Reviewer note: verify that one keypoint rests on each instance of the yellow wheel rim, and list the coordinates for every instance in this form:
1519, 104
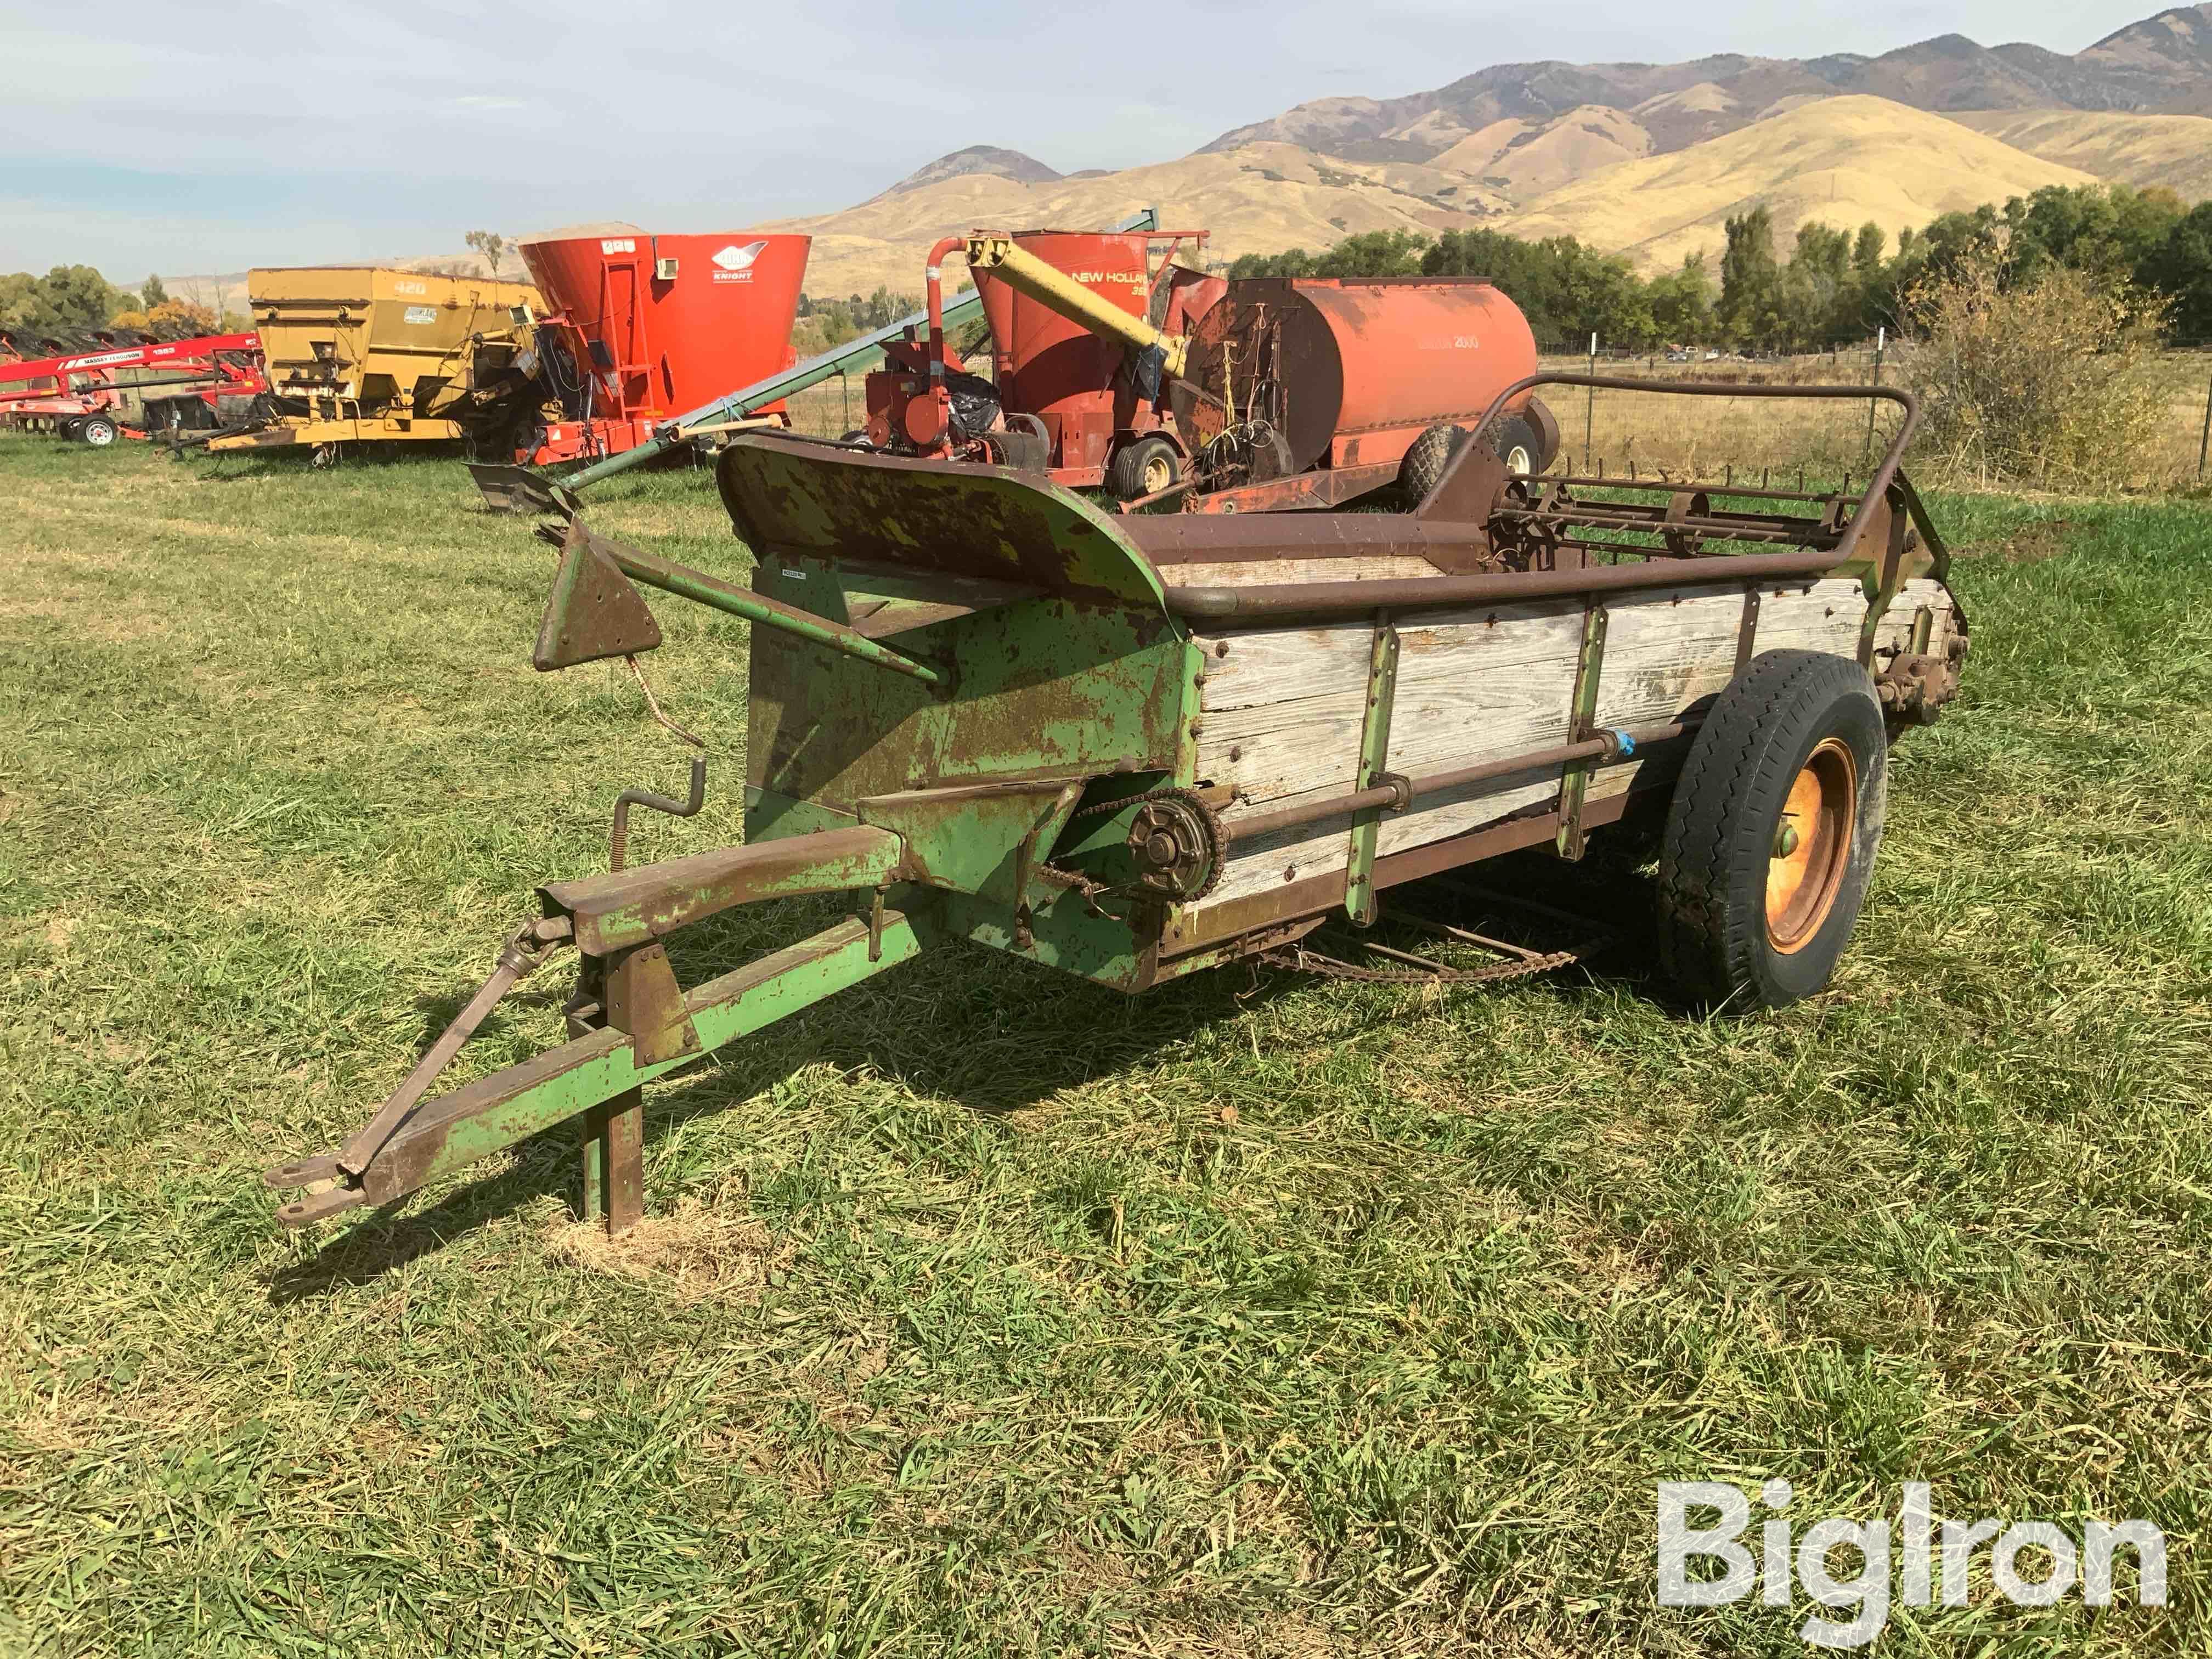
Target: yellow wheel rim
1812, 847
1159, 473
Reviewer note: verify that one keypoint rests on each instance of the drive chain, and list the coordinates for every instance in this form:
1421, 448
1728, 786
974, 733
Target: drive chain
1298, 957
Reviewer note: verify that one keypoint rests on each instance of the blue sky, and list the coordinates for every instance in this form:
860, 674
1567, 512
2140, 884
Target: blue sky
197, 138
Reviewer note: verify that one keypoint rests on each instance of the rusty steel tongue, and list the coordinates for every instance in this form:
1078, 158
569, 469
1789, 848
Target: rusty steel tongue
522, 954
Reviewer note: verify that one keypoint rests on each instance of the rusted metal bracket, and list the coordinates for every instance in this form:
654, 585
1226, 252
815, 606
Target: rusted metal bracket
1887, 573
1917, 682
1746, 637
1374, 757
1574, 781
642, 1001
593, 612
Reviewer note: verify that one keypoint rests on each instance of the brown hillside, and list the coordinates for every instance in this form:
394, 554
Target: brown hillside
2163, 62
1526, 161
1257, 200
2142, 150
1843, 160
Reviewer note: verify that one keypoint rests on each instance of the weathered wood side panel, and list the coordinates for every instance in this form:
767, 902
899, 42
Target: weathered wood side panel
1281, 707
1253, 573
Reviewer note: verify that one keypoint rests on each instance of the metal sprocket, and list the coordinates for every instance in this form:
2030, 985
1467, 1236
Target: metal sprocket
1200, 844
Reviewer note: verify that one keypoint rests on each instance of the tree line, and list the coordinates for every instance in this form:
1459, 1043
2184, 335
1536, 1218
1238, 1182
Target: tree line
1833, 287
70, 301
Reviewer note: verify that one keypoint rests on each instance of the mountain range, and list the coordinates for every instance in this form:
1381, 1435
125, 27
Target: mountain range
2162, 64
1640, 159
1644, 160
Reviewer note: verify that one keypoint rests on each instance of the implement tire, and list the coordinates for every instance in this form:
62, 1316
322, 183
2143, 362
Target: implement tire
1771, 835
1515, 440
1427, 458
1144, 466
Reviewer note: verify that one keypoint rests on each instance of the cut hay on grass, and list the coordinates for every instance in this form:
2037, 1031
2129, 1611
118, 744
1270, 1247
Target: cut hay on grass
980, 1310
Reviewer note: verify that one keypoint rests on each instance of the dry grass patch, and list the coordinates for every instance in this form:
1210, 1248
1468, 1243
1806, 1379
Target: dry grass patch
701, 1251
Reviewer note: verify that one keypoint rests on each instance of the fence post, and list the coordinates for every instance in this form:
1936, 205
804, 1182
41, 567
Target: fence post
2204, 439
1589, 406
1881, 340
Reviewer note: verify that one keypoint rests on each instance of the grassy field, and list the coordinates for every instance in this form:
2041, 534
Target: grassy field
981, 1311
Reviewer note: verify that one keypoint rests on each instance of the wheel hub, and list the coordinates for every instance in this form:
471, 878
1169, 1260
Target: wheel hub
1812, 845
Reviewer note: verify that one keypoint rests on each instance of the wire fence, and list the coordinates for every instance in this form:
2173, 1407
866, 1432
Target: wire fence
1618, 431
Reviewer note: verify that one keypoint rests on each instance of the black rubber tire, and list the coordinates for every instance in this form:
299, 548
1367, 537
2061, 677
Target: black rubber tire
1511, 433
97, 430
1124, 473
1715, 939
1427, 460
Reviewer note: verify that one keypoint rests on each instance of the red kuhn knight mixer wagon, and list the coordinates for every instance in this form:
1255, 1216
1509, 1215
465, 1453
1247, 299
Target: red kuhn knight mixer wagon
644, 326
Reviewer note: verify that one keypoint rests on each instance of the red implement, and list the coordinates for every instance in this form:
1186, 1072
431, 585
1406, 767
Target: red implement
647, 326
1057, 378
82, 393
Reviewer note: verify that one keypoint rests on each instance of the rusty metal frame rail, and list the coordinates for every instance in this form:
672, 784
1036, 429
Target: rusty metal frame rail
1337, 599
1603, 749
1508, 587
1882, 474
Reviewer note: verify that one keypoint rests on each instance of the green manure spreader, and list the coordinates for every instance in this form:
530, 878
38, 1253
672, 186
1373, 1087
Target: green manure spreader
1134, 747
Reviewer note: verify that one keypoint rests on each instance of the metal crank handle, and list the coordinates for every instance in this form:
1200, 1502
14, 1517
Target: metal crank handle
618, 837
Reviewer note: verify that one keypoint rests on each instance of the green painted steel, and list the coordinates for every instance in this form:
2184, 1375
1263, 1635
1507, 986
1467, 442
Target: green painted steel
1068, 664
1574, 781
494, 1113
684, 582
1066, 936
1374, 759
971, 523
988, 840
771, 816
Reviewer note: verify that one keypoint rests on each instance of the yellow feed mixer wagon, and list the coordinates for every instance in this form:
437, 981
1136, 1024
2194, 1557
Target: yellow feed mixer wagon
357, 354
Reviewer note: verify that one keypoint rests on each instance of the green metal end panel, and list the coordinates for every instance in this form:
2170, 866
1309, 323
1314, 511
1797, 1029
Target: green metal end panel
1084, 674
986, 521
